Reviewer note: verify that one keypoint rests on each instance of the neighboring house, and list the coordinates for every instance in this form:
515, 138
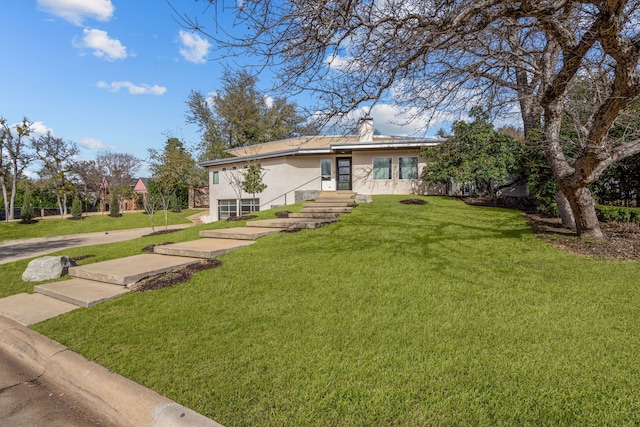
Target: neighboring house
138, 195
298, 169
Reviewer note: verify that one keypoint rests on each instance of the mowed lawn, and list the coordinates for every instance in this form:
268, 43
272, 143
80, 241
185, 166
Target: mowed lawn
436, 315
56, 226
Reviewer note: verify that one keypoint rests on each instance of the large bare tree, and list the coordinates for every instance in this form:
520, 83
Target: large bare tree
118, 168
57, 157
434, 55
14, 158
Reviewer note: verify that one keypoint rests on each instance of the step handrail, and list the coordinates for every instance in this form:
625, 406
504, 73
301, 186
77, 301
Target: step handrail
289, 191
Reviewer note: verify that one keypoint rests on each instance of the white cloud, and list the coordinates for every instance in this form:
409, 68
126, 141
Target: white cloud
103, 47
38, 129
133, 89
75, 11
394, 120
337, 62
94, 144
194, 48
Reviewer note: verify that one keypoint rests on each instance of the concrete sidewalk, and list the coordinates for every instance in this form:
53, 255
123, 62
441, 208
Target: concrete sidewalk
14, 250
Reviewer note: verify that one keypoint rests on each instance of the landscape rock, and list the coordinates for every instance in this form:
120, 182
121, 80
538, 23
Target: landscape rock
45, 268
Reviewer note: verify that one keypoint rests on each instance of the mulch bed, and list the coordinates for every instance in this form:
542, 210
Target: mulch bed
80, 258
241, 218
621, 242
413, 202
290, 230
175, 277
159, 233
149, 249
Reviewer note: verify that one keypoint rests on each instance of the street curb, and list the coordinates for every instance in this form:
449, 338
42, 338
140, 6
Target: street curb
118, 399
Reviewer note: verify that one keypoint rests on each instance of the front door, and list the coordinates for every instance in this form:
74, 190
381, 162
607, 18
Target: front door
327, 182
344, 173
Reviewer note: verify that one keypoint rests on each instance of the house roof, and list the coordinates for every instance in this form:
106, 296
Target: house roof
319, 145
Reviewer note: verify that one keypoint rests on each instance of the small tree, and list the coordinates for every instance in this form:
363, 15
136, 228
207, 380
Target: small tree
156, 191
151, 204
253, 183
76, 208
174, 203
114, 206
27, 208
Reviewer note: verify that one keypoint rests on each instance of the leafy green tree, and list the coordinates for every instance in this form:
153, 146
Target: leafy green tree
174, 170
174, 203
27, 215
76, 208
240, 115
253, 180
114, 205
475, 154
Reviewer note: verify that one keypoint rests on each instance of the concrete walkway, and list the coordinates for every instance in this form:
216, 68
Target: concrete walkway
15, 250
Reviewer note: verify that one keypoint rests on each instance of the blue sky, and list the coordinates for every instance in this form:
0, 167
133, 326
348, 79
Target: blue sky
103, 74
113, 74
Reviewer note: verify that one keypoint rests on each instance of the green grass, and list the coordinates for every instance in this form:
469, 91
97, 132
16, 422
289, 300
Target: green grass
442, 314
62, 226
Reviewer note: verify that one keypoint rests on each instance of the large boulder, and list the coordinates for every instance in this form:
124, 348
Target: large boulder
45, 268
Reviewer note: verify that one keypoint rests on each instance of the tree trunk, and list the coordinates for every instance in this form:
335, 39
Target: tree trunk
6, 201
584, 211
59, 201
564, 209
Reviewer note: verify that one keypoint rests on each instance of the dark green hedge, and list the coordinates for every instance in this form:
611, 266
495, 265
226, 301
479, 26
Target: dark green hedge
618, 213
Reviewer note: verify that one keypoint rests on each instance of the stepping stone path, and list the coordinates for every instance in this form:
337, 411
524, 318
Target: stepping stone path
101, 281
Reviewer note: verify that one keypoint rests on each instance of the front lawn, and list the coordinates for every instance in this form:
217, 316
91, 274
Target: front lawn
439, 314
61, 226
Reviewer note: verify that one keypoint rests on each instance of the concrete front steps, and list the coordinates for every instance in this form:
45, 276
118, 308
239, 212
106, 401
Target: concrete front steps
129, 270
291, 223
239, 233
328, 205
202, 248
90, 285
81, 292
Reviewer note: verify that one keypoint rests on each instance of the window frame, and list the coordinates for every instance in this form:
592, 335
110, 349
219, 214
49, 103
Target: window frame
414, 172
249, 203
378, 168
231, 205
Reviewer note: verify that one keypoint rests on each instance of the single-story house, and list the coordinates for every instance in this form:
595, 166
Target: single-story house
299, 168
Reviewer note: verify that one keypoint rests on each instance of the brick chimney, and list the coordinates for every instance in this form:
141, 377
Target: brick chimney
365, 129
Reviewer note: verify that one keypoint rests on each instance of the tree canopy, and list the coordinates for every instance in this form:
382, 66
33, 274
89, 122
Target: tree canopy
475, 154
240, 115
174, 169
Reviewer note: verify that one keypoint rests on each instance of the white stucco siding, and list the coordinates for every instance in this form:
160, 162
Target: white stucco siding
287, 175
283, 176
363, 179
